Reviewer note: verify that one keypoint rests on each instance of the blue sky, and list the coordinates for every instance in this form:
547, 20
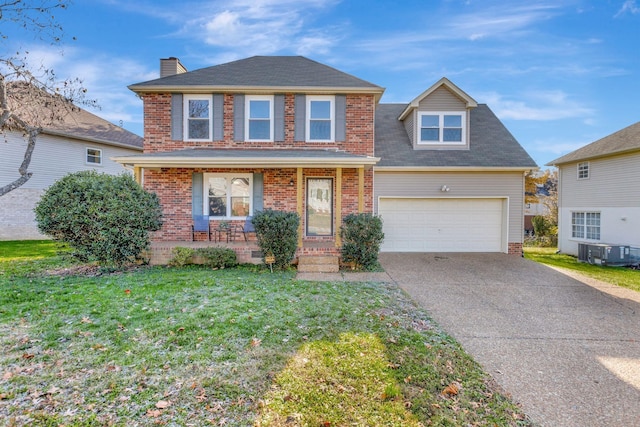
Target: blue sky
559, 73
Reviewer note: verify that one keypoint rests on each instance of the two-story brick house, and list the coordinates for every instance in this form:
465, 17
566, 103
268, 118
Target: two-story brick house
289, 133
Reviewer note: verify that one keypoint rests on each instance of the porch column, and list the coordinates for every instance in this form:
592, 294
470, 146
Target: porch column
300, 204
361, 190
137, 174
338, 206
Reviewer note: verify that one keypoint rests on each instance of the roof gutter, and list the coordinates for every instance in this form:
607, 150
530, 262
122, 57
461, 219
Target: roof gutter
91, 139
245, 162
454, 168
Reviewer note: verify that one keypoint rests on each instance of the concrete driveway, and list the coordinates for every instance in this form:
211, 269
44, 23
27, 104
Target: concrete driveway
566, 350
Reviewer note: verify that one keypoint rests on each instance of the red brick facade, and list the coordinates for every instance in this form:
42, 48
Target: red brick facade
174, 185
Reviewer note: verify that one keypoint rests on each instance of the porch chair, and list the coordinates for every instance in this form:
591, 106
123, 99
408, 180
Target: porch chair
200, 224
248, 227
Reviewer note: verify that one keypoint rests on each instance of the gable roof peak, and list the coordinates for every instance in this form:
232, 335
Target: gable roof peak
443, 82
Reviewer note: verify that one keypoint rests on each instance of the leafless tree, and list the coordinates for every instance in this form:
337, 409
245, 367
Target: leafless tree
32, 98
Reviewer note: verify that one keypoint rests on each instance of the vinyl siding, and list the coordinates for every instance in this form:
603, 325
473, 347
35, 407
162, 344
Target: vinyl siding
54, 157
442, 99
508, 185
612, 190
612, 182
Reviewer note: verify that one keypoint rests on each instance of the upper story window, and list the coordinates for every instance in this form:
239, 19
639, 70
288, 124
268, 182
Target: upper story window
259, 118
320, 118
441, 127
198, 117
583, 170
94, 156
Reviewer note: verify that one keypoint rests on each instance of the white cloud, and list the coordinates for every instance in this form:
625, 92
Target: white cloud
538, 106
628, 6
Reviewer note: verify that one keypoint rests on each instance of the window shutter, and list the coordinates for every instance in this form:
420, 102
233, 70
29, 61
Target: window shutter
258, 192
218, 117
238, 117
278, 107
176, 117
197, 192
300, 117
341, 118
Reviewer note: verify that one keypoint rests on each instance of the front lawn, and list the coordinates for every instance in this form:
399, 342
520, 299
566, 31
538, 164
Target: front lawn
620, 276
240, 347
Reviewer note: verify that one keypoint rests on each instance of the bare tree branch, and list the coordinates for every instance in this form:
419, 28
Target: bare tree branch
33, 98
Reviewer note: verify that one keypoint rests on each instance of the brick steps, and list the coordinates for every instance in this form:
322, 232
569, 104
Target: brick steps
318, 264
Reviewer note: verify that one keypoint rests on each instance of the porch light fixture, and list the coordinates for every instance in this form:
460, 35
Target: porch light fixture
445, 188
291, 183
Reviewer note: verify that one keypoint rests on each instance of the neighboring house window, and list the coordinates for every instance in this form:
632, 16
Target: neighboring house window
94, 156
259, 114
441, 128
585, 225
228, 195
320, 118
583, 170
198, 117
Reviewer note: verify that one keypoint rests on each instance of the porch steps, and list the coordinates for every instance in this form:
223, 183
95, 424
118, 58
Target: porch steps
318, 264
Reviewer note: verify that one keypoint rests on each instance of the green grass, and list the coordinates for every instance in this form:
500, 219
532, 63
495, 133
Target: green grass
241, 347
620, 276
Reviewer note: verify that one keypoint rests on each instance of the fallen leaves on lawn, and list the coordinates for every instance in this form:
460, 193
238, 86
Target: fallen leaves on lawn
163, 404
451, 390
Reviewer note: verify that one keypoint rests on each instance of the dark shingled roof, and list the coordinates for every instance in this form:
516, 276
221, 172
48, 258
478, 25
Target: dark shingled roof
263, 71
58, 117
490, 145
622, 141
85, 125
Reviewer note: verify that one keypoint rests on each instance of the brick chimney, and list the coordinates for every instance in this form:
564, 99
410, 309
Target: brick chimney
171, 66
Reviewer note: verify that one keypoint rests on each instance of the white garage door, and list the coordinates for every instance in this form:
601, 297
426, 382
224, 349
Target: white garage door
442, 225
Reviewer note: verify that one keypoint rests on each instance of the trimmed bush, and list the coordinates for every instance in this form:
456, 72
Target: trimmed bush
277, 234
218, 257
104, 218
181, 256
361, 239
214, 257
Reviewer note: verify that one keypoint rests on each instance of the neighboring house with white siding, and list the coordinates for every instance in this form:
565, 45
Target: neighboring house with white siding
81, 141
598, 192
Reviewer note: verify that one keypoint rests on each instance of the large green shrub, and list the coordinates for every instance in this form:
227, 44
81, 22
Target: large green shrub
361, 239
277, 234
104, 218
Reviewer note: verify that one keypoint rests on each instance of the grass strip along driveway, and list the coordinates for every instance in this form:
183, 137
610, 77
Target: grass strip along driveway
240, 347
620, 276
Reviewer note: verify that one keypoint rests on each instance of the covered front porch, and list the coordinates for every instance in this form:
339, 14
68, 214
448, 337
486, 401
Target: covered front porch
322, 186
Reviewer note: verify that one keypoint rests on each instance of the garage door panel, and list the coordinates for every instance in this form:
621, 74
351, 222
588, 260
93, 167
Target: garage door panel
442, 225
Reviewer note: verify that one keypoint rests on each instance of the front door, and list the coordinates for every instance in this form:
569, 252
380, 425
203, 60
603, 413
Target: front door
319, 206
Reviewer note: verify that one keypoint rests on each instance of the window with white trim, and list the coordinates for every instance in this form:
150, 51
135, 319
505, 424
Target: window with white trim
585, 225
93, 156
442, 127
228, 195
583, 170
259, 118
320, 118
198, 113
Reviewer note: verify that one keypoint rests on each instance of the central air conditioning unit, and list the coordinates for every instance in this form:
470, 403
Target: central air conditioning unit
604, 254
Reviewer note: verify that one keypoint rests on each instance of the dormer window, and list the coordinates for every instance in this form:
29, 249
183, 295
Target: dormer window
441, 128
